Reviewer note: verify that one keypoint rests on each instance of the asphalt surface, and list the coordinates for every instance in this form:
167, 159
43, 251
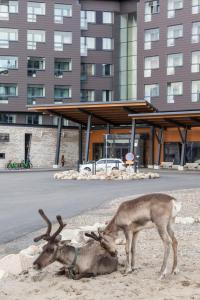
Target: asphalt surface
22, 194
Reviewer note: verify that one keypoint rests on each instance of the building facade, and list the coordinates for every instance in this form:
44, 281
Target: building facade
95, 50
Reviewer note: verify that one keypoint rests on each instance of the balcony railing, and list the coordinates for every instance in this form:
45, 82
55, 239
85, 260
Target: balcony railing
84, 24
84, 50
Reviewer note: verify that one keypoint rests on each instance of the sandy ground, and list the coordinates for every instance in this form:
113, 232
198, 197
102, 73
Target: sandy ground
142, 284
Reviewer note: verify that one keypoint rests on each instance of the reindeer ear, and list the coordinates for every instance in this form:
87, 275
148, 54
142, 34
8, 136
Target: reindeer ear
100, 230
58, 238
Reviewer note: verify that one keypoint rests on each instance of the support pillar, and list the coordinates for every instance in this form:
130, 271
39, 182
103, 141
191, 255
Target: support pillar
133, 130
159, 137
80, 144
87, 143
59, 130
151, 147
183, 136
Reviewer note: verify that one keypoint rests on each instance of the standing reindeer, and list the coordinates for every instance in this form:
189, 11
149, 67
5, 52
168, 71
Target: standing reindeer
96, 257
155, 210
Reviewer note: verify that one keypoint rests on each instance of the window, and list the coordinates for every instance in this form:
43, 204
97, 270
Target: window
6, 91
2, 156
7, 35
107, 44
62, 92
151, 8
195, 91
174, 61
174, 32
151, 90
61, 11
62, 38
35, 64
4, 137
55, 121
8, 63
108, 17
87, 43
62, 65
33, 119
9, 7
35, 91
107, 96
174, 5
195, 67
34, 37
150, 35
195, 6
195, 32
150, 63
174, 89
7, 118
89, 16
35, 9
128, 57
88, 69
107, 70
87, 95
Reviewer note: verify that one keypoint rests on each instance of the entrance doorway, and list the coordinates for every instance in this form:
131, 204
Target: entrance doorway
28, 137
118, 145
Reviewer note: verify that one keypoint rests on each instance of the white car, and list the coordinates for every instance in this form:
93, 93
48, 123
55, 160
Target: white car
112, 164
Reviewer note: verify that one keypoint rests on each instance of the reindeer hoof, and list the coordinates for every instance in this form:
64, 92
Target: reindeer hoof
128, 271
175, 271
163, 275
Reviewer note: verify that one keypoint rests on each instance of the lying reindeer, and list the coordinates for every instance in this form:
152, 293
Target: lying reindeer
96, 257
155, 210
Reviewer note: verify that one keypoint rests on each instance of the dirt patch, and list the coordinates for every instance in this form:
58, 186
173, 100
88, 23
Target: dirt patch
141, 284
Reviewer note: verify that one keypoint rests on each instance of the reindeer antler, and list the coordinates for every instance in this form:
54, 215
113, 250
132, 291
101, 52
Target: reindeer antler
93, 236
62, 225
45, 236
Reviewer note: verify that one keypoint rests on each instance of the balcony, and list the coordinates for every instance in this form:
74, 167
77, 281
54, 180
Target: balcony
84, 24
84, 50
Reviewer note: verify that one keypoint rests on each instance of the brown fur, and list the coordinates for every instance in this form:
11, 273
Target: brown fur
153, 210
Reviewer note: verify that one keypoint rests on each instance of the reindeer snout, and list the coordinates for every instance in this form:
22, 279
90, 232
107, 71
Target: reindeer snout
36, 265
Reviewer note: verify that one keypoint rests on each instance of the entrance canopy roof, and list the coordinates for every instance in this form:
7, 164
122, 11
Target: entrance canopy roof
169, 119
114, 113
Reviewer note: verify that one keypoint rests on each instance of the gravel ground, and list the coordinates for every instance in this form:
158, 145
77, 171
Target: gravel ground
142, 284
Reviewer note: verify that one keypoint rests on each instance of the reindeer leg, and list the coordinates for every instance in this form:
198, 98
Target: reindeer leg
135, 234
129, 238
174, 247
162, 230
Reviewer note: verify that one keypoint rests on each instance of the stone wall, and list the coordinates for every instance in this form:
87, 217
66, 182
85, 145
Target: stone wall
43, 145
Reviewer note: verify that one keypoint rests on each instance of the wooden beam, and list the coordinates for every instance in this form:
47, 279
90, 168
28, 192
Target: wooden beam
88, 113
65, 117
197, 120
129, 110
178, 124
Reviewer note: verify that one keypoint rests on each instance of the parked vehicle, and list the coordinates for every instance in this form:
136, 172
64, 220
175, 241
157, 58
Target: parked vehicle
102, 164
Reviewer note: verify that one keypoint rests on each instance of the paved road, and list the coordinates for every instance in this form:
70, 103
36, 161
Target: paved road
22, 194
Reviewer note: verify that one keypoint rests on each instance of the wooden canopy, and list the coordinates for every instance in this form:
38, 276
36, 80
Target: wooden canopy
113, 113
169, 119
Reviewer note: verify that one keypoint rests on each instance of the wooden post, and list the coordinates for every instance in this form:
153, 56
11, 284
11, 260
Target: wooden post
80, 144
159, 137
87, 144
59, 130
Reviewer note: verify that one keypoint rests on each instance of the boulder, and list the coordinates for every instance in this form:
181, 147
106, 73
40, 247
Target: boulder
11, 264
3, 274
28, 255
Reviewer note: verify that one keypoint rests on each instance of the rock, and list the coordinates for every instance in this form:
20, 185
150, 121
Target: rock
11, 264
3, 274
28, 255
186, 220
128, 174
72, 235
